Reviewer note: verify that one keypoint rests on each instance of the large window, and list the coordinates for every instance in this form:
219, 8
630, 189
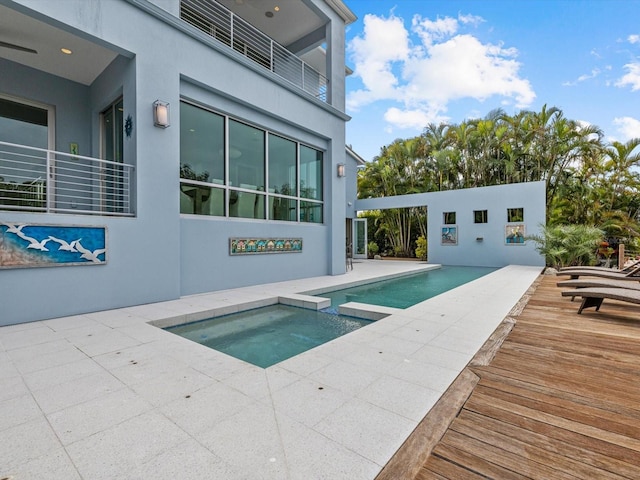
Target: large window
201, 161
267, 176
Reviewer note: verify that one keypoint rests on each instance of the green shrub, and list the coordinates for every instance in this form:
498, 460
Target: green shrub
421, 248
372, 248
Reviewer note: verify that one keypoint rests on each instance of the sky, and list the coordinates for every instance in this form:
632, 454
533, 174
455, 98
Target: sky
417, 62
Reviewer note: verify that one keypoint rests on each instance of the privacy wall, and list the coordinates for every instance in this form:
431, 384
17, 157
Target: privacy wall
478, 226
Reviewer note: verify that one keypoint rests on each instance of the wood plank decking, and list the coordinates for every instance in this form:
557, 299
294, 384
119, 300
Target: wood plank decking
559, 400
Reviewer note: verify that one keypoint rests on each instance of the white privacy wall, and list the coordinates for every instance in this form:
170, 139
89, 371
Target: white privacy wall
478, 244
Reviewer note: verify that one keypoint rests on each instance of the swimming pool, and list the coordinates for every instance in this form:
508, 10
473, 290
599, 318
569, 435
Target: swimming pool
268, 335
406, 291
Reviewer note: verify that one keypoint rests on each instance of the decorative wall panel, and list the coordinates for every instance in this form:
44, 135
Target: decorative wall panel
244, 246
35, 245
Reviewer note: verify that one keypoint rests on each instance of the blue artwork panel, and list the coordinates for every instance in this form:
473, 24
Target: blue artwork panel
34, 245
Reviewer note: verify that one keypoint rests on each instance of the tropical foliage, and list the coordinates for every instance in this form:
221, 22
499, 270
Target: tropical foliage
565, 245
588, 181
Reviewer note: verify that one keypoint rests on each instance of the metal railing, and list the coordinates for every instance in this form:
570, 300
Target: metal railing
38, 180
223, 25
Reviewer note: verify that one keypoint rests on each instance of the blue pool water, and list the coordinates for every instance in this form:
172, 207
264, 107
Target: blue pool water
268, 335
406, 291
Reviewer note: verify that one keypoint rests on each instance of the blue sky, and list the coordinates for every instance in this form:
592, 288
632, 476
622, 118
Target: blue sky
422, 61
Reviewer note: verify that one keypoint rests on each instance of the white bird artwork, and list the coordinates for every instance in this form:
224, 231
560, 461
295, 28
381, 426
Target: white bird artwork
35, 244
15, 227
88, 254
64, 245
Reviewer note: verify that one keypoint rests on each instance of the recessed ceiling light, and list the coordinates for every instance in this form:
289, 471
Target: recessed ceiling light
66, 51
276, 8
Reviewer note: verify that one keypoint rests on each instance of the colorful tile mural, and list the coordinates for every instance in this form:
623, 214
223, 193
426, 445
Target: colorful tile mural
243, 246
24, 245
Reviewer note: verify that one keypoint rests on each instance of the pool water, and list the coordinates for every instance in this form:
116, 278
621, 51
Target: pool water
406, 291
268, 335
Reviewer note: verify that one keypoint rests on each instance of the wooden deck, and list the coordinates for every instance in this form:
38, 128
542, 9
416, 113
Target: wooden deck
559, 400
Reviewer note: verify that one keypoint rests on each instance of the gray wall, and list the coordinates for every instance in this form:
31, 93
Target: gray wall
492, 250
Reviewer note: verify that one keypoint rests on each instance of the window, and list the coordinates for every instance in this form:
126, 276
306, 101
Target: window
246, 170
112, 149
480, 216
283, 179
449, 218
267, 176
515, 214
311, 184
201, 161
23, 175
112, 132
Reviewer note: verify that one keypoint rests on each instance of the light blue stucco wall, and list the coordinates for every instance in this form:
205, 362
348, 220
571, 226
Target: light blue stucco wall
159, 254
492, 251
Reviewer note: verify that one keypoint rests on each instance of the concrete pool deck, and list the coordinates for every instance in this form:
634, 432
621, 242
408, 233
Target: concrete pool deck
107, 395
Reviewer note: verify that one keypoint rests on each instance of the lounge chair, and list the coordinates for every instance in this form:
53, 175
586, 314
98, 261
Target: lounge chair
633, 274
626, 268
593, 297
599, 283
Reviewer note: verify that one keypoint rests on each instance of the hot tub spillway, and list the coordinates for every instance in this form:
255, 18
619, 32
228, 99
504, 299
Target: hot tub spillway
330, 310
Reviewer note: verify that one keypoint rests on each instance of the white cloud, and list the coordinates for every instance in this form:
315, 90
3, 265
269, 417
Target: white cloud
633, 38
632, 77
384, 42
628, 127
582, 78
422, 71
413, 119
463, 67
429, 31
471, 19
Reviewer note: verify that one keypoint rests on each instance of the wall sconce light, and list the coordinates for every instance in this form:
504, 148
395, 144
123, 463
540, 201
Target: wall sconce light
161, 114
341, 170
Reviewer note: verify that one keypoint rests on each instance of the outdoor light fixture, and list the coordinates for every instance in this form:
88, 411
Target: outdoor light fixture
341, 171
161, 114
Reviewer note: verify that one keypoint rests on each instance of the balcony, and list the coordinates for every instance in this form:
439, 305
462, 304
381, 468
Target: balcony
226, 27
39, 180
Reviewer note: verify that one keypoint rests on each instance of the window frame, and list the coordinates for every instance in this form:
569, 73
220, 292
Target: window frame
449, 218
268, 198
515, 215
483, 214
